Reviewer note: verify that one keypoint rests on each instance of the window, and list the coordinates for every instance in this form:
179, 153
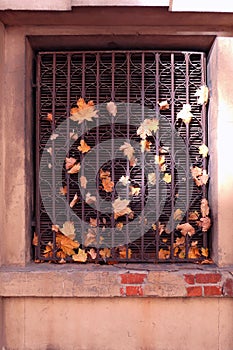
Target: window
121, 157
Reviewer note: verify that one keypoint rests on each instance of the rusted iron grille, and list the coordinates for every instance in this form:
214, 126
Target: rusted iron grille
143, 78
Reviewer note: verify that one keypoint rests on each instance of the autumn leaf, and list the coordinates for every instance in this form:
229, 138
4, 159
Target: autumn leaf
70, 162
55, 228
205, 223
186, 229
92, 253
62, 261
120, 207
104, 174
163, 105
204, 178
63, 190
164, 254
83, 181
193, 216
128, 150
84, 148
119, 226
194, 253
107, 184
111, 108
105, 253
123, 253
182, 253
133, 162
178, 214
185, 114
74, 200
161, 228
167, 178
90, 238
179, 241
202, 93
73, 136
199, 176
60, 254
204, 207
35, 240
84, 111
54, 136
203, 150
147, 127
124, 180
135, 191
90, 199
50, 150
205, 252
93, 222
68, 229
66, 244
80, 257
75, 169
152, 178
49, 117
48, 252
160, 160
145, 146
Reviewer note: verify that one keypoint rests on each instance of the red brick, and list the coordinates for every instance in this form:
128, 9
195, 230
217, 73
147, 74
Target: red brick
212, 290
122, 291
194, 291
133, 278
228, 287
189, 279
134, 290
208, 278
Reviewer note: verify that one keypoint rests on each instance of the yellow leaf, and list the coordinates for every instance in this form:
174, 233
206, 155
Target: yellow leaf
147, 127
80, 257
186, 229
120, 207
145, 146
68, 229
204, 208
152, 178
203, 150
105, 253
74, 200
193, 253
111, 108
160, 160
205, 252
164, 254
128, 150
135, 191
202, 93
163, 105
123, 253
84, 148
63, 190
66, 244
83, 181
84, 111
167, 178
178, 214
75, 169
185, 114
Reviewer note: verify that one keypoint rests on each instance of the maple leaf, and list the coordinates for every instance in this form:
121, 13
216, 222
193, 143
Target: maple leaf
163, 105
123, 253
83, 181
92, 253
167, 178
193, 215
186, 229
193, 253
124, 180
66, 244
204, 208
49, 117
147, 127
68, 229
75, 169
202, 93
119, 226
178, 214
74, 200
60, 254
128, 150
111, 108
35, 240
63, 190
70, 162
84, 148
90, 199
81, 256
205, 223
164, 254
185, 114
152, 178
120, 207
84, 111
145, 146
135, 191
205, 252
203, 150
105, 253
199, 176
107, 184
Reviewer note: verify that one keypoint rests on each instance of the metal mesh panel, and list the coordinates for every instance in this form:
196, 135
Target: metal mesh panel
138, 80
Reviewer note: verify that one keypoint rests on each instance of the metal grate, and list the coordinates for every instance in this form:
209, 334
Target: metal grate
160, 192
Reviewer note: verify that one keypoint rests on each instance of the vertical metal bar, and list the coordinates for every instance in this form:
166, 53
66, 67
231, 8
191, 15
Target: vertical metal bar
157, 208
172, 150
112, 151
97, 143
142, 156
82, 128
187, 150
68, 133
38, 198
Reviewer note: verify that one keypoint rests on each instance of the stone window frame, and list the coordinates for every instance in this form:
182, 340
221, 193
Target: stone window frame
124, 280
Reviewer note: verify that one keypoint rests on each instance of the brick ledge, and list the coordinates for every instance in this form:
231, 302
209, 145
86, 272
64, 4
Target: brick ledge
133, 280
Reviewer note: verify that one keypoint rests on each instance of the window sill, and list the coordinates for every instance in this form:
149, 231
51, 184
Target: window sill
129, 280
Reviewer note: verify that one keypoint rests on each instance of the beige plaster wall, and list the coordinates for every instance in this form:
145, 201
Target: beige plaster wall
113, 324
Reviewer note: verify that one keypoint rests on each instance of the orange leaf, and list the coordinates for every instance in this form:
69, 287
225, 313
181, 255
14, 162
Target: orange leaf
107, 184
66, 244
105, 253
74, 200
186, 229
164, 254
80, 257
49, 117
83, 181
123, 253
35, 240
75, 169
63, 190
84, 148
85, 111
193, 215
70, 162
193, 253
204, 208
163, 105
205, 252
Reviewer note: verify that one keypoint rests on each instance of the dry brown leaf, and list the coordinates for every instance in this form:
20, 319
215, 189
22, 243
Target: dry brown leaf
105, 253
202, 93
84, 111
205, 210
179, 241
35, 240
182, 253
92, 253
68, 229
123, 253
205, 252
48, 252
185, 114
90, 238
66, 244
178, 214
62, 261
120, 207
203, 150
205, 223
73, 136
186, 229
145, 146
83, 181
200, 176
111, 108
207, 261
70, 162
164, 254
75, 169
63, 190
80, 257
193, 253
74, 200
163, 105
128, 150
193, 216
60, 254
107, 184
133, 162
84, 148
